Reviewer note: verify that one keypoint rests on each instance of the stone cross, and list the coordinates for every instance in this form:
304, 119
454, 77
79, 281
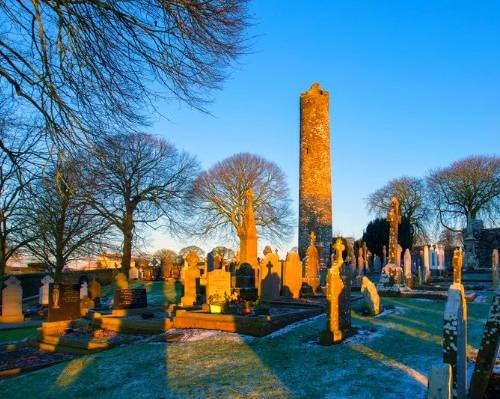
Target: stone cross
12, 301
335, 332
247, 233
339, 249
384, 255
312, 264
457, 266
494, 268
455, 338
394, 219
486, 356
191, 280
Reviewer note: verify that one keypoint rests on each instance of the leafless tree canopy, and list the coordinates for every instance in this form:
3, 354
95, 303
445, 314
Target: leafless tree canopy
87, 65
139, 179
411, 193
218, 197
64, 227
469, 188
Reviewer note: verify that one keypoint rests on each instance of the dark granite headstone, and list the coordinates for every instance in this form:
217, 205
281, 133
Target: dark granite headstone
245, 282
130, 298
64, 302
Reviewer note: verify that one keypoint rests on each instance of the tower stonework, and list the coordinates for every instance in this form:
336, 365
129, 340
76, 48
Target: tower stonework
315, 186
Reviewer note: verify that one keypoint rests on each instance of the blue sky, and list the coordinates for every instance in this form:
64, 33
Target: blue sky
413, 86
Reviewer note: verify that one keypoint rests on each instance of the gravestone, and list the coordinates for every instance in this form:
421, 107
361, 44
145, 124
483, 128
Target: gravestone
457, 266
455, 338
427, 267
335, 331
64, 302
84, 290
121, 281
407, 267
270, 276
384, 255
390, 279
130, 298
210, 261
420, 278
191, 280
43, 293
494, 269
398, 255
440, 382
247, 233
486, 356
245, 282
133, 273
12, 301
370, 295
218, 284
377, 264
95, 292
311, 275
292, 275
361, 262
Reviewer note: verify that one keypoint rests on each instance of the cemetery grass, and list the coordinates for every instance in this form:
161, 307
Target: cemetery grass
16, 334
390, 358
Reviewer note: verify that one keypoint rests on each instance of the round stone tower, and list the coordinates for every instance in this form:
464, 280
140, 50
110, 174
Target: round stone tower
315, 186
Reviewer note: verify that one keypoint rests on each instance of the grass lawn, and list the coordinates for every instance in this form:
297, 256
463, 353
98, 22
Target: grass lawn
390, 359
17, 334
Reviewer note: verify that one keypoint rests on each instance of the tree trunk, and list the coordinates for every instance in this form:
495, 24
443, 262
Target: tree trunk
127, 243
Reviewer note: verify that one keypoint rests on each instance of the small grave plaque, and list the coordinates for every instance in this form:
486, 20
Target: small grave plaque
130, 298
64, 302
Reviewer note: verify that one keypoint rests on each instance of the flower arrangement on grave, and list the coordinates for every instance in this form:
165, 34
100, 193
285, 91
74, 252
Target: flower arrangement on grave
239, 306
261, 308
217, 303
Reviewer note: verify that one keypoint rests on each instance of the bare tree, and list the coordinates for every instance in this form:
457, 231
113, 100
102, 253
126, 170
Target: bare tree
467, 189
85, 66
412, 196
17, 171
64, 228
192, 248
218, 197
139, 179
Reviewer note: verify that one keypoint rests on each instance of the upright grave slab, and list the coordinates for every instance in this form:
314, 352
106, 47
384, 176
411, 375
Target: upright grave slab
292, 275
43, 293
270, 276
370, 294
64, 302
12, 301
218, 284
311, 274
130, 298
486, 356
191, 280
455, 338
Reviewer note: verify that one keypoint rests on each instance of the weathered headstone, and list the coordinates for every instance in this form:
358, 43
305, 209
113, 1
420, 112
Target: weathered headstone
398, 254
457, 266
130, 298
486, 356
43, 296
270, 276
218, 284
455, 338
64, 302
494, 269
361, 262
407, 267
94, 290
377, 264
370, 294
121, 281
133, 273
420, 277
84, 290
210, 261
427, 267
311, 275
440, 382
12, 301
336, 328
191, 280
384, 255
292, 275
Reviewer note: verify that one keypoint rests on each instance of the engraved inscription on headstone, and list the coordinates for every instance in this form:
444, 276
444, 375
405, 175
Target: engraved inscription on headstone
130, 298
64, 302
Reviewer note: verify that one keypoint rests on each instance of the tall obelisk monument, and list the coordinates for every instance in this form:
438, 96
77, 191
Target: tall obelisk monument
315, 186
